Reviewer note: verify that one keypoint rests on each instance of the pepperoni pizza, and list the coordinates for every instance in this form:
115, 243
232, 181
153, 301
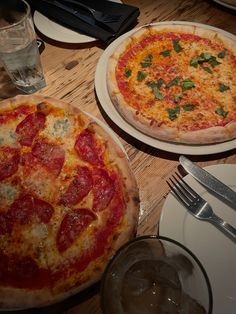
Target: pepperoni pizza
176, 83
68, 200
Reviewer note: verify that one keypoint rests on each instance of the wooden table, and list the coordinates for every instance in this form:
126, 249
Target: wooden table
70, 70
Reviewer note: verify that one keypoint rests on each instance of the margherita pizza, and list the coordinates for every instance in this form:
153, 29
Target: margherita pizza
176, 83
68, 200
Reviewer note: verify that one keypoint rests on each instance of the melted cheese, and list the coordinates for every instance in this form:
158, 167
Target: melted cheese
8, 137
8, 193
57, 127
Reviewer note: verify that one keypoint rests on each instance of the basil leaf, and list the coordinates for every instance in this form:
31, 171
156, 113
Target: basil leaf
221, 54
187, 84
151, 84
176, 45
188, 107
145, 65
205, 56
177, 97
220, 111
147, 61
128, 72
213, 62
148, 58
160, 82
141, 75
194, 62
173, 112
223, 87
157, 93
165, 53
173, 82
157, 84
207, 69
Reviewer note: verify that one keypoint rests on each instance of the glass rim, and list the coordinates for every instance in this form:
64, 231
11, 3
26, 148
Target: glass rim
27, 13
158, 237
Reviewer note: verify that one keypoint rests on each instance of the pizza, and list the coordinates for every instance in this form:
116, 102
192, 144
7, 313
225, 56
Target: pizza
68, 201
176, 83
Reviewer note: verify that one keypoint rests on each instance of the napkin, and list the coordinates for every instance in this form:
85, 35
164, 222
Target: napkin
128, 14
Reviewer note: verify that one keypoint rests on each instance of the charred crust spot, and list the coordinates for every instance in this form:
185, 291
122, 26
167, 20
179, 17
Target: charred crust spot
152, 121
136, 199
115, 236
43, 107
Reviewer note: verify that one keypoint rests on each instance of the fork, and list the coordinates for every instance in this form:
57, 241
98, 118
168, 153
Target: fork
98, 16
197, 206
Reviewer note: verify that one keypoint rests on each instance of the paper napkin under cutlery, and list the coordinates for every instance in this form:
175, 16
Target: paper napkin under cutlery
128, 17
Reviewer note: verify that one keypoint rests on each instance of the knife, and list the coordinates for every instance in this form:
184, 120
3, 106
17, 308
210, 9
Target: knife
221, 190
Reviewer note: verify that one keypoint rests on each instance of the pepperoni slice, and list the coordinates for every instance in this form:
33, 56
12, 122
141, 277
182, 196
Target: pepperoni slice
88, 149
28, 161
26, 208
15, 113
21, 211
79, 187
3, 266
9, 160
103, 189
29, 128
22, 272
43, 209
5, 224
52, 156
72, 225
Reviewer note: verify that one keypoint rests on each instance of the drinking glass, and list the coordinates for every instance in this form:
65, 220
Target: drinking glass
154, 274
19, 52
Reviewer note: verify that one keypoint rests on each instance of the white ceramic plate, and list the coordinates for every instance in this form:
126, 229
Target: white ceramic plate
225, 4
104, 98
216, 251
58, 32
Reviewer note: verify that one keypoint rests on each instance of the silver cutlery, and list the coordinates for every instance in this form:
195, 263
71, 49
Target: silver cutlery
197, 206
220, 189
97, 15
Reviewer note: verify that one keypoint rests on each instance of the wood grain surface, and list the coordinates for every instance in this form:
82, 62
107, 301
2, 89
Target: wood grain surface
69, 71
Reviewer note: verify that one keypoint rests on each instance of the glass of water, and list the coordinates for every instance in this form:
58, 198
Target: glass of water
155, 275
19, 52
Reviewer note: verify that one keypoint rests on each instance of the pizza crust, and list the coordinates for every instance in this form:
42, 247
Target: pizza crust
20, 299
